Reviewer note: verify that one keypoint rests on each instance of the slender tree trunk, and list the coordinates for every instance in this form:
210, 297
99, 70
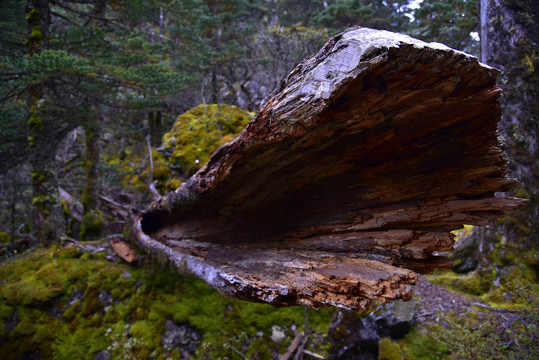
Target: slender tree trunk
154, 119
92, 219
47, 216
214, 86
510, 42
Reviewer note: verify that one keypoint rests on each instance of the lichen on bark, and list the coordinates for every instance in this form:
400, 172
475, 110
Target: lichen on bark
47, 216
510, 39
92, 219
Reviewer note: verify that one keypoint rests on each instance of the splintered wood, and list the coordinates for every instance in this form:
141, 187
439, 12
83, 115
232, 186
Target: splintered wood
347, 181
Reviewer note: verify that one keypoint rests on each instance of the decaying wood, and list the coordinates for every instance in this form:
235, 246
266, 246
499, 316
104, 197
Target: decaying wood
123, 250
298, 340
347, 181
73, 205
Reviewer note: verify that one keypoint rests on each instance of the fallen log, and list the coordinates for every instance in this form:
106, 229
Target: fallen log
347, 181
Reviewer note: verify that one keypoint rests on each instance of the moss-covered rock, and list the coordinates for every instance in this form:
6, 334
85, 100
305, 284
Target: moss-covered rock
472, 284
200, 131
389, 350
92, 225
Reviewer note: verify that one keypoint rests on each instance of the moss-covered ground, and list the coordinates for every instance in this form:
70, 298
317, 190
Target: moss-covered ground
54, 302
64, 303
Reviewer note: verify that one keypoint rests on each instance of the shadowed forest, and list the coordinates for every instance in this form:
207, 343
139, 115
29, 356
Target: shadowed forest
108, 106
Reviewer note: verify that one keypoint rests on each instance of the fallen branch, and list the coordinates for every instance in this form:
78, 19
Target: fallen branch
310, 353
296, 343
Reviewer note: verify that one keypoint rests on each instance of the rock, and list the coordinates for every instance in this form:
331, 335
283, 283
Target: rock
126, 275
395, 319
103, 355
105, 298
356, 335
11, 324
352, 336
466, 254
277, 334
183, 336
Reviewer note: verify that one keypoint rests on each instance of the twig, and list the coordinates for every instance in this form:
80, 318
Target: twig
488, 307
151, 185
293, 346
314, 355
238, 352
301, 348
90, 249
112, 202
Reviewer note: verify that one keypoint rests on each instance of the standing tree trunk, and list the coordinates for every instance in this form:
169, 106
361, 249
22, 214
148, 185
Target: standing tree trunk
92, 218
510, 42
47, 215
154, 119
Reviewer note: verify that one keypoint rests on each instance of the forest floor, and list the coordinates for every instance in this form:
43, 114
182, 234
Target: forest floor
435, 300
97, 302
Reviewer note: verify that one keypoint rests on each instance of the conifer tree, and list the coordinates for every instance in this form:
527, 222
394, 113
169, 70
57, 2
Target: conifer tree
452, 22
47, 213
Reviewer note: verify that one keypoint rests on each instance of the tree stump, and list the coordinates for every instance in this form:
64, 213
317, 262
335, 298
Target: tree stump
347, 182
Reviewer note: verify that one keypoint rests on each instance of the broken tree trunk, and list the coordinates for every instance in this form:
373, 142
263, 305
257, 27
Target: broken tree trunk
348, 179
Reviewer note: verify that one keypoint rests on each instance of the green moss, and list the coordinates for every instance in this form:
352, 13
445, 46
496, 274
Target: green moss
151, 332
419, 345
65, 209
43, 203
173, 183
128, 166
529, 61
142, 303
92, 225
25, 327
38, 177
6, 311
472, 284
5, 238
465, 231
32, 15
200, 131
83, 343
35, 122
36, 35
28, 291
161, 172
389, 350
72, 311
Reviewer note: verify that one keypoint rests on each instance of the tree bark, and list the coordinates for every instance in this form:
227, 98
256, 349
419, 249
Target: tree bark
348, 179
92, 218
154, 119
510, 42
47, 214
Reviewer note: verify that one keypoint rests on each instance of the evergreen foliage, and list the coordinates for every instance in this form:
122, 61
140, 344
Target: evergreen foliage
454, 23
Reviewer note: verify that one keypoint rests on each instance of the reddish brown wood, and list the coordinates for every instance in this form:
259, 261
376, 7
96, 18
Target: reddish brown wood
347, 180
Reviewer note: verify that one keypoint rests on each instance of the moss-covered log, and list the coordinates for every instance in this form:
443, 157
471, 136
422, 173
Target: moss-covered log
347, 181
